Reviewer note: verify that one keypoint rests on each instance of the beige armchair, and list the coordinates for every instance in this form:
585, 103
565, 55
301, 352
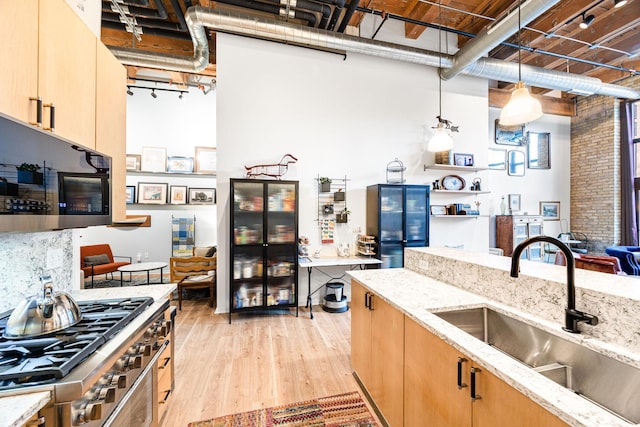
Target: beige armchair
195, 272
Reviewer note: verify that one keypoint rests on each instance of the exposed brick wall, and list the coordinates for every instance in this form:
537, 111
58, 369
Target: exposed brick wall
595, 168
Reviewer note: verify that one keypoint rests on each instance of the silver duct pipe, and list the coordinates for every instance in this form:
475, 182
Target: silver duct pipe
495, 34
228, 22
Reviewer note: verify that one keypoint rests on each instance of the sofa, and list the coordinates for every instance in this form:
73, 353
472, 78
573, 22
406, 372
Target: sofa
98, 259
627, 256
601, 263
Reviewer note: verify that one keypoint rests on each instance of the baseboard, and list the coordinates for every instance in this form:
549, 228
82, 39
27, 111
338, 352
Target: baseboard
364, 390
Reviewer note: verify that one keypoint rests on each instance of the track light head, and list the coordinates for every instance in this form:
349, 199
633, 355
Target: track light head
129, 91
180, 96
154, 94
587, 21
619, 3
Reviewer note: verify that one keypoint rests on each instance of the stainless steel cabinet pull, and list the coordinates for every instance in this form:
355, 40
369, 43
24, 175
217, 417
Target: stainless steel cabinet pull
474, 396
461, 360
38, 121
52, 116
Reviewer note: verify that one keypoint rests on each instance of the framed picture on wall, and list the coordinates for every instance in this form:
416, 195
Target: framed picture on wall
509, 135
178, 164
514, 202
133, 162
178, 195
152, 193
206, 160
550, 211
154, 159
202, 196
130, 194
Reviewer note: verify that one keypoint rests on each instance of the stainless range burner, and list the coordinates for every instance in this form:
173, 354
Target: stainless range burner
43, 360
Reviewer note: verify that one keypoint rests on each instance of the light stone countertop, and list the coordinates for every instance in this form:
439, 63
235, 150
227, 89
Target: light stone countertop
419, 297
16, 409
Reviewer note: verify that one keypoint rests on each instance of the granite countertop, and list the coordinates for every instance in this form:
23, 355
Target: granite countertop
419, 297
15, 410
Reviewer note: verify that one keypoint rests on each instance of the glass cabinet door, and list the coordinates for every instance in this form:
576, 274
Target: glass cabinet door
535, 249
416, 224
391, 214
391, 255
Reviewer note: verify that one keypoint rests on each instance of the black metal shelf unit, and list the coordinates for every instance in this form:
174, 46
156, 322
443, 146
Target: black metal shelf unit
264, 246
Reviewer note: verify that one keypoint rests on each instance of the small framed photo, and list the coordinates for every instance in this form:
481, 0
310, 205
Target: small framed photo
550, 211
154, 159
179, 164
206, 160
202, 196
509, 135
133, 162
460, 159
497, 159
130, 194
178, 195
514, 202
152, 193
438, 210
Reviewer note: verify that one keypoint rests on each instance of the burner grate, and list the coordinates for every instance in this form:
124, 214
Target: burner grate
43, 360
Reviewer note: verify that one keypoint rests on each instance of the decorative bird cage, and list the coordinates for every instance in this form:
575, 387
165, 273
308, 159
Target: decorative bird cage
395, 172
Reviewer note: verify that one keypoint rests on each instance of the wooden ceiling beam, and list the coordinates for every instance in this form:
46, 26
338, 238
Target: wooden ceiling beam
559, 106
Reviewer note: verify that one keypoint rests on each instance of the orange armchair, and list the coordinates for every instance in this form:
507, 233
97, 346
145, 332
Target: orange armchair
98, 259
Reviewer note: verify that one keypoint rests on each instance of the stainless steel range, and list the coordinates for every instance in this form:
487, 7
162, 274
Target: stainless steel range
103, 370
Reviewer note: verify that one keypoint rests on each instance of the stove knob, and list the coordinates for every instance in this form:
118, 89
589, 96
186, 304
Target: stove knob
115, 380
90, 412
107, 394
135, 362
145, 349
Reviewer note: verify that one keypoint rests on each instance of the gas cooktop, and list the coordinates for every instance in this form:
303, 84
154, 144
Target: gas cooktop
45, 359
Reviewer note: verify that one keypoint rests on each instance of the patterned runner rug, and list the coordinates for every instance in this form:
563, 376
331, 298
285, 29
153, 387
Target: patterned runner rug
343, 410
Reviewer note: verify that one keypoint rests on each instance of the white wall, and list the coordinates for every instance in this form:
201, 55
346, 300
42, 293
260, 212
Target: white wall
180, 125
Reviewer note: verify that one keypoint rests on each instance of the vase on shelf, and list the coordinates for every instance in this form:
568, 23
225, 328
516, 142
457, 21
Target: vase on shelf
503, 206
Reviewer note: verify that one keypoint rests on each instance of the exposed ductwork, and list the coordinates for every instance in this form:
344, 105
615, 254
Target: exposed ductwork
495, 34
198, 18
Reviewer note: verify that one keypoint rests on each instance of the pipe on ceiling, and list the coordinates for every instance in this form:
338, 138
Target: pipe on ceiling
494, 34
198, 18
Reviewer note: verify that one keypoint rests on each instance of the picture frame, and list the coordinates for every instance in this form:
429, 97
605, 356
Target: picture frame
180, 164
497, 159
132, 162
462, 159
178, 195
154, 193
202, 196
538, 150
509, 135
438, 210
514, 202
206, 160
550, 211
130, 194
154, 159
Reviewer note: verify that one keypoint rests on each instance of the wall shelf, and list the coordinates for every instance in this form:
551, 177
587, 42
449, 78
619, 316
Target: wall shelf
459, 216
454, 168
460, 192
185, 174
165, 206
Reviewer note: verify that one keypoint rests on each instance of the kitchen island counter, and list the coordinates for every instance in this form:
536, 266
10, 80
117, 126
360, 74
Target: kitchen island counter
418, 296
16, 409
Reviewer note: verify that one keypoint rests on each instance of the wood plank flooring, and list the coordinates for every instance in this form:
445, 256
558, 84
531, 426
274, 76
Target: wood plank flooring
258, 361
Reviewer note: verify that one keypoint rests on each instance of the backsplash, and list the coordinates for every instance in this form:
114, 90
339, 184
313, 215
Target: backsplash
23, 259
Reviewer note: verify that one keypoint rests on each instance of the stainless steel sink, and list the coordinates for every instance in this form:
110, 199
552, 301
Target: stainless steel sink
607, 382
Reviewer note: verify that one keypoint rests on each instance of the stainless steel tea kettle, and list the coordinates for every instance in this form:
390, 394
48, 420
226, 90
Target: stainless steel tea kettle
36, 315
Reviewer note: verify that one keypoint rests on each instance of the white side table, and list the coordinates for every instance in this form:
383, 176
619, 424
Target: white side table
142, 266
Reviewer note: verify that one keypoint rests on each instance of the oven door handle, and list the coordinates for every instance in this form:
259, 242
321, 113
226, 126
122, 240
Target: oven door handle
123, 402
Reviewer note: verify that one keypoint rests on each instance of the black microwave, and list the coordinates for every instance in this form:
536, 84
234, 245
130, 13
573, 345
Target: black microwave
50, 183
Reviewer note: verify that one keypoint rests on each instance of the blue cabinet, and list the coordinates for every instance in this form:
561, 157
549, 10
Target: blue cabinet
398, 216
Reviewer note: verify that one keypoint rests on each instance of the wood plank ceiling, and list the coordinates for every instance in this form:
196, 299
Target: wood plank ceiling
607, 49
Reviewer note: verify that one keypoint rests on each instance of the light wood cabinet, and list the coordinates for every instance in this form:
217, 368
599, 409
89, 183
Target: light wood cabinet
377, 339
48, 52
513, 229
433, 369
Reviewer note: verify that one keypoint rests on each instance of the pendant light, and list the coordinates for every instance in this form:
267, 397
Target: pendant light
522, 107
441, 139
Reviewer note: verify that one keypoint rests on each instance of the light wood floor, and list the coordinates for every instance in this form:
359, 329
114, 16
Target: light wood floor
257, 361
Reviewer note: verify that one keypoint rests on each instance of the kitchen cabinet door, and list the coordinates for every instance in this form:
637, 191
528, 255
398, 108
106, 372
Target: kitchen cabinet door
67, 72
19, 58
432, 396
111, 77
377, 342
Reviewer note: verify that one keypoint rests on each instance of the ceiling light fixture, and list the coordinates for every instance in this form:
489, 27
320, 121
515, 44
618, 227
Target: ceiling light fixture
522, 107
441, 139
129, 91
619, 3
180, 96
587, 21
154, 94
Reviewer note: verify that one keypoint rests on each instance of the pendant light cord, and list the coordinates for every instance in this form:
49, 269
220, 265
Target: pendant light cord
519, 50
440, 57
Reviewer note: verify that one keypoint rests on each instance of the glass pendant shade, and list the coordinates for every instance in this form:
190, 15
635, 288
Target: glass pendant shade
521, 108
441, 140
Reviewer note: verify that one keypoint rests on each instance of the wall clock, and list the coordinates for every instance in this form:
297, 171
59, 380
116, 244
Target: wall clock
452, 182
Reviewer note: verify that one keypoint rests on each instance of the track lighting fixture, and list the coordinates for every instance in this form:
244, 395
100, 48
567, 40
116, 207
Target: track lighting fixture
180, 96
619, 3
586, 21
154, 89
154, 95
129, 92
